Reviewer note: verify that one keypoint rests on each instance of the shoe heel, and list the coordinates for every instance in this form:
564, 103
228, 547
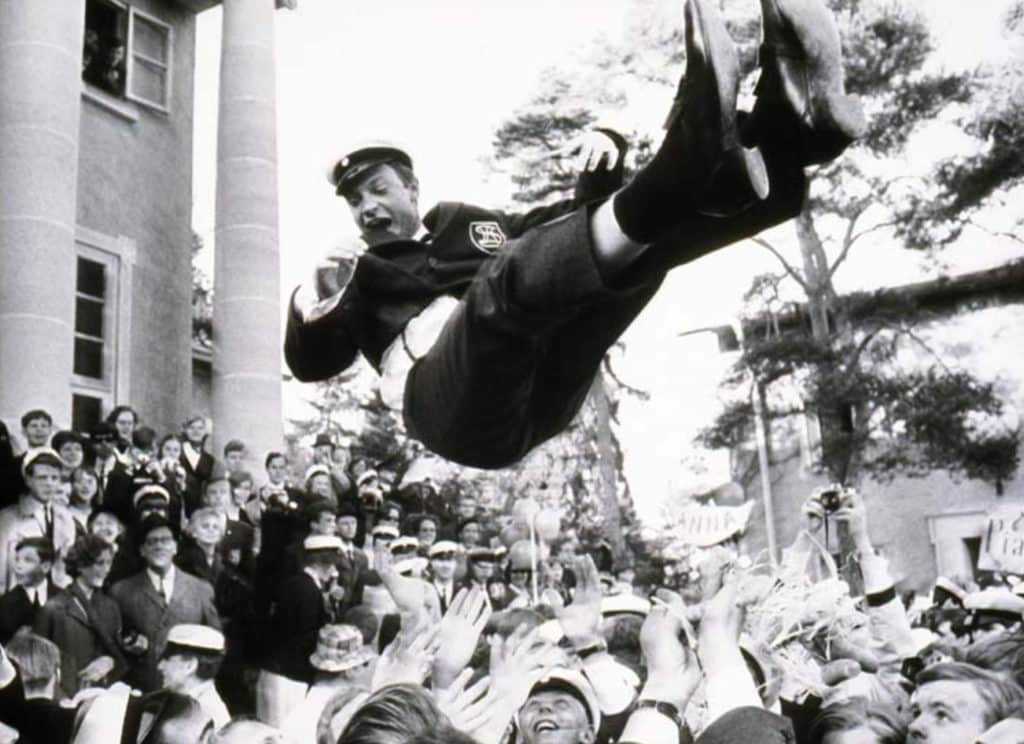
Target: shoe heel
840, 122
737, 181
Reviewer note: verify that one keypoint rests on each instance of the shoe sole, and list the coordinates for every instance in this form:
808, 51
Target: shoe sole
835, 119
739, 178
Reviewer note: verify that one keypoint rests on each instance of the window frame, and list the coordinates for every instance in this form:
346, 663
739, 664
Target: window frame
134, 57
117, 255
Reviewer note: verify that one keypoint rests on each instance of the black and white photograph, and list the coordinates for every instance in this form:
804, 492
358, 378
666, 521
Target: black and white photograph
454, 372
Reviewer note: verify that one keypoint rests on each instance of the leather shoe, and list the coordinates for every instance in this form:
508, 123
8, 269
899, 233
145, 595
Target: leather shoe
801, 99
725, 176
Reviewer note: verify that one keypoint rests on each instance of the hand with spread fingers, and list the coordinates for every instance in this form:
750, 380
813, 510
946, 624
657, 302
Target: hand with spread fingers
592, 150
408, 658
460, 630
412, 596
469, 708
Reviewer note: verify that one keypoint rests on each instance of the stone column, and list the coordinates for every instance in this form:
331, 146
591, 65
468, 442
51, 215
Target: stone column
247, 299
40, 92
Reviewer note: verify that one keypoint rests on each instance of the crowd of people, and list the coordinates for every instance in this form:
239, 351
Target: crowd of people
152, 592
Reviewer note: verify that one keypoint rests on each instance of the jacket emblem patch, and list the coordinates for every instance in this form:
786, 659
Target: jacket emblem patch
487, 236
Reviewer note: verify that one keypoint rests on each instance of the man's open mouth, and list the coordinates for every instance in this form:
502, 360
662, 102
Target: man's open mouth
377, 223
545, 725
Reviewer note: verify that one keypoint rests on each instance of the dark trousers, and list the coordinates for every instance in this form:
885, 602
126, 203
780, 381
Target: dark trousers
515, 361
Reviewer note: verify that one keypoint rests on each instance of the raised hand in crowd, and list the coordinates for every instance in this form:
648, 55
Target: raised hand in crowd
460, 630
408, 658
414, 598
581, 618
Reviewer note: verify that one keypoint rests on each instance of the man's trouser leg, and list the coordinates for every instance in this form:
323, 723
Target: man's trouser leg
470, 398
515, 360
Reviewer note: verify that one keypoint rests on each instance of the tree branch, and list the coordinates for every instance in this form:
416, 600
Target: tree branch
995, 233
785, 264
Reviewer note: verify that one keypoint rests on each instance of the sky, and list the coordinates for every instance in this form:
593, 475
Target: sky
439, 77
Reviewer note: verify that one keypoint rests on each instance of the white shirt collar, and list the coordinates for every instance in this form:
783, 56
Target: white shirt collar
159, 582
311, 574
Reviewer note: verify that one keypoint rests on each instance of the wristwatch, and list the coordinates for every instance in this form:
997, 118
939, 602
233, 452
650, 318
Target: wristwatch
668, 710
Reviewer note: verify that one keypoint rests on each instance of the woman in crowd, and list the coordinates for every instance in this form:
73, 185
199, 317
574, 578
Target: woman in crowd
83, 621
84, 489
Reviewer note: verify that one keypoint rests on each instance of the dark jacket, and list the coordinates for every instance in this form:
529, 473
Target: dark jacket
84, 629
195, 480
298, 614
17, 611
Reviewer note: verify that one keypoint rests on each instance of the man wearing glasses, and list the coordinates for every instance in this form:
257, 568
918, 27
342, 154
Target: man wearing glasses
159, 597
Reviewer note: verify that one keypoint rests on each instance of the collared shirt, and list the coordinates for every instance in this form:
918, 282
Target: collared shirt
192, 454
104, 468
163, 584
312, 574
28, 518
446, 591
37, 594
411, 345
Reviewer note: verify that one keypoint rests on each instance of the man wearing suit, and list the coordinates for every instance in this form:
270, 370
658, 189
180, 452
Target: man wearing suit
443, 563
19, 607
198, 463
353, 563
35, 515
299, 611
115, 482
488, 328
160, 596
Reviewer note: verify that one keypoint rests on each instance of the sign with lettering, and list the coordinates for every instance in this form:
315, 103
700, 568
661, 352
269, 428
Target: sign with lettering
704, 526
1002, 545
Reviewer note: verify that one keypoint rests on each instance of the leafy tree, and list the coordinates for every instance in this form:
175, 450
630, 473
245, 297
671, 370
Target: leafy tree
962, 187
843, 369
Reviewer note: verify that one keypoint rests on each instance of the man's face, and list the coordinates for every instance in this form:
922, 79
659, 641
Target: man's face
466, 508
218, 494
104, 445
470, 534
444, 568
106, 527
233, 460
320, 485
324, 524
483, 570
176, 671
37, 432
71, 453
207, 530
347, 527
159, 548
946, 711
554, 717
276, 470
43, 482
383, 207
427, 533
28, 569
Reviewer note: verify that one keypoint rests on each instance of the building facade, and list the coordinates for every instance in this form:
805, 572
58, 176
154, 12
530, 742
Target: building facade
931, 526
96, 127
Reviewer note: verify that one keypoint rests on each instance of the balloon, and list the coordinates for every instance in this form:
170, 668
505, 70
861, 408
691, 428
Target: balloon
524, 510
519, 555
548, 524
512, 534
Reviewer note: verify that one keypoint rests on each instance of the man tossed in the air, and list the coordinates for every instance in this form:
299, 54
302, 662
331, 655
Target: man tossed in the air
488, 327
